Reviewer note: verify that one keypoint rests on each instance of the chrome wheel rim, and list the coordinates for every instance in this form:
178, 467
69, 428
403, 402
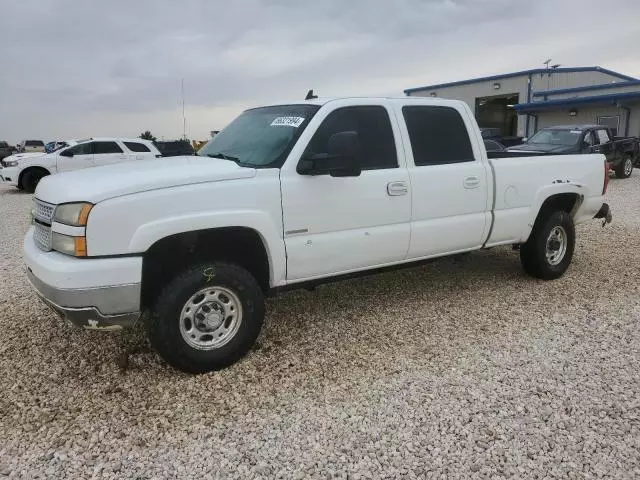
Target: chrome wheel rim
556, 245
628, 166
210, 318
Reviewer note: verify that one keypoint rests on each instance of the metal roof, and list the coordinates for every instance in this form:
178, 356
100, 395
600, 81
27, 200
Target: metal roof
610, 98
586, 88
519, 74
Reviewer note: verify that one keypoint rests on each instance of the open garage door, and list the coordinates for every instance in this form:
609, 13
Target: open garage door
497, 111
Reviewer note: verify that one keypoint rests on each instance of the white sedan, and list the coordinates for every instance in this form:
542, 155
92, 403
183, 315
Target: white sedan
24, 170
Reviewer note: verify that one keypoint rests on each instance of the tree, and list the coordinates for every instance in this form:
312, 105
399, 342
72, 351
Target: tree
147, 135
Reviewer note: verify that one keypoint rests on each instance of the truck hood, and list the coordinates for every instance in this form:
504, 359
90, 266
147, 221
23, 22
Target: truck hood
101, 183
542, 147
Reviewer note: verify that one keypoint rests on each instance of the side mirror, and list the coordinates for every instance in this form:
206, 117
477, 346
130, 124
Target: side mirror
66, 153
341, 160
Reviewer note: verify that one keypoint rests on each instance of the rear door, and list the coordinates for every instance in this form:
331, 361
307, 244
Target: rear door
76, 157
138, 151
106, 152
336, 225
450, 180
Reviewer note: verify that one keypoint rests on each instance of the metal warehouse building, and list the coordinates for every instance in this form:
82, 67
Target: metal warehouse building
521, 103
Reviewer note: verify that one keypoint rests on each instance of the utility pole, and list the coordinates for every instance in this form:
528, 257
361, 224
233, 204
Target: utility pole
184, 119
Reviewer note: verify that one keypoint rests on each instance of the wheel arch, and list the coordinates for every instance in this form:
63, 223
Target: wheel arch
169, 255
31, 168
566, 201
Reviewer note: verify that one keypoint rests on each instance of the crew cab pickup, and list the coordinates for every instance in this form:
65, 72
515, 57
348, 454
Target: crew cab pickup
290, 196
25, 170
622, 152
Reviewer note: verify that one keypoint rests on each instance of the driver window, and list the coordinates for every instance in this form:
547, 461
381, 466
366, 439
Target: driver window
371, 123
588, 139
80, 149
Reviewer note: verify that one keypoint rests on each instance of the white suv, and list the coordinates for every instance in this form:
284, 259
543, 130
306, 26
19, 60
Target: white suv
25, 170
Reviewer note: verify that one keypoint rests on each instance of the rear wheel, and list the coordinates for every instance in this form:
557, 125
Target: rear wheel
625, 168
31, 178
207, 318
549, 249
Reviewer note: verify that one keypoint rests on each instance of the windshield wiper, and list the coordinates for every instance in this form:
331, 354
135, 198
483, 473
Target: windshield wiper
223, 156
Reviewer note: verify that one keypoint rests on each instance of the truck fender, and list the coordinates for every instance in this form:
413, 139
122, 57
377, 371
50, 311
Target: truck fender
149, 233
545, 193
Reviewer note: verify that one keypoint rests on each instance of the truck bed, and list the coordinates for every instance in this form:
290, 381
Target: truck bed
521, 182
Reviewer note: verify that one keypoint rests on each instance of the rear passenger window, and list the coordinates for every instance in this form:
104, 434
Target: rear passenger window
438, 135
106, 147
377, 146
137, 147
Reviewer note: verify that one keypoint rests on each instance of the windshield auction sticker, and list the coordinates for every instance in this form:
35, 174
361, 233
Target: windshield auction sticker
287, 122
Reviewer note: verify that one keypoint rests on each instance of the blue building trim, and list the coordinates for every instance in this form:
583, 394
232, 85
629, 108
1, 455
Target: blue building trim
604, 86
520, 74
611, 98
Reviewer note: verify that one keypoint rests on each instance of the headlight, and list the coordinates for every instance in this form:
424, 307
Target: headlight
74, 214
76, 246
11, 163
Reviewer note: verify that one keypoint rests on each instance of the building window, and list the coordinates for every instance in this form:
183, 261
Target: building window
611, 121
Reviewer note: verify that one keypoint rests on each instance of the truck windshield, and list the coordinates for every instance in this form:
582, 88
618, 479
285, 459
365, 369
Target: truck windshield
556, 137
261, 137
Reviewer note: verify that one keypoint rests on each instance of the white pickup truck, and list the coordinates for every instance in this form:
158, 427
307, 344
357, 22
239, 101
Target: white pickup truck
290, 196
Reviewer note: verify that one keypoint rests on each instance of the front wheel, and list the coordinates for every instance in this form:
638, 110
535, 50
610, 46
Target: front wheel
207, 318
549, 249
625, 168
32, 178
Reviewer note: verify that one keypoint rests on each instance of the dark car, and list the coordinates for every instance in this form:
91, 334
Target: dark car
621, 152
175, 148
491, 133
493, 146
6, 150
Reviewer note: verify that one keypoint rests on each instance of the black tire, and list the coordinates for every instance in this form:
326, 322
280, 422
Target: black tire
625, 168
163, 322
31, 179
533, 253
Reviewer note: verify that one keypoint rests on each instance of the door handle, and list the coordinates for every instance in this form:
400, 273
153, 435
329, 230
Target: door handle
471, 182
397, 188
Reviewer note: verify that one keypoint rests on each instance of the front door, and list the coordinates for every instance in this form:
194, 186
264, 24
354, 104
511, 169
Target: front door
76, 157
449, 181
335, 225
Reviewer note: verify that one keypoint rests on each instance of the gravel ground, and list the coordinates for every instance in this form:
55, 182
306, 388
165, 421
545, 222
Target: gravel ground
463, 368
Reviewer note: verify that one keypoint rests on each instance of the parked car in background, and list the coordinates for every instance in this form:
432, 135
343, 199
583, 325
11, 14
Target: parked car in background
6, 150
621, 152
175, 148
26, 170
288, 196
27, 146
493, 146
490, 133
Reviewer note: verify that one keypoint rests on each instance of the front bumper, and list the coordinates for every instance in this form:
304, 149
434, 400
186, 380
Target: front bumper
605, 213
99, 294
71, 305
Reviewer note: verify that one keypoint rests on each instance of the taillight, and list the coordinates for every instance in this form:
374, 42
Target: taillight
606, 177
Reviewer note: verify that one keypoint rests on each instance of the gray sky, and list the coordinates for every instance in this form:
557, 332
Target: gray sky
77, 68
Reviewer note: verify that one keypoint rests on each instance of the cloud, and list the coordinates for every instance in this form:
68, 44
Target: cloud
73, 69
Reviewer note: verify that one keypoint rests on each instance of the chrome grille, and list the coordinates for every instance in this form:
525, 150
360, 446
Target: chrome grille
43, 211
42, 236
